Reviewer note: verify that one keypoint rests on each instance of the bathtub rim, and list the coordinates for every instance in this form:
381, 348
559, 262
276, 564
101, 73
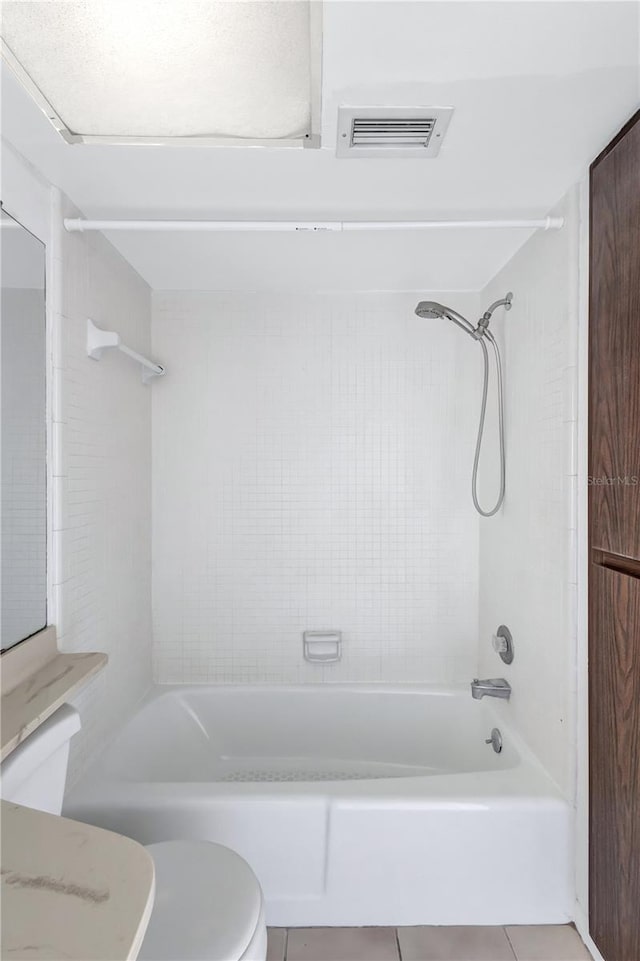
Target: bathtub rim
524, 781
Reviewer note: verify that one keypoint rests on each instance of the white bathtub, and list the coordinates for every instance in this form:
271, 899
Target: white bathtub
354, 805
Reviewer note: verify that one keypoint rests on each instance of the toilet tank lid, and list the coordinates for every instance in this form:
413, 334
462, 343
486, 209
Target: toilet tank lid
38, 747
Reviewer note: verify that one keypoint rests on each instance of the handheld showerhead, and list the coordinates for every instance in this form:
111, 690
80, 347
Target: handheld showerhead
432, 310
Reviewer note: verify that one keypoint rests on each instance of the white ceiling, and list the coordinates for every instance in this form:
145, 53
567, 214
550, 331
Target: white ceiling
538, 89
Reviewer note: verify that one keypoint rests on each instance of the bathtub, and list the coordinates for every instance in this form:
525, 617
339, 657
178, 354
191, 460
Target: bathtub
354, 805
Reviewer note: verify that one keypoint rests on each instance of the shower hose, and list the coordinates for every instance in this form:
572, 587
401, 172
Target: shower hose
483, 410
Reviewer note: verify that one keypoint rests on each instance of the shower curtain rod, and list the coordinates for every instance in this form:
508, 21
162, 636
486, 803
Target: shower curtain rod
301, 226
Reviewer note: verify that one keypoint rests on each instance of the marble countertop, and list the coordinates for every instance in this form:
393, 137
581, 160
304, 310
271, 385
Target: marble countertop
36, 679
71, 890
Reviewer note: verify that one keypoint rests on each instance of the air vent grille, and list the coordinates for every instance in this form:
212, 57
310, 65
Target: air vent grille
400, 132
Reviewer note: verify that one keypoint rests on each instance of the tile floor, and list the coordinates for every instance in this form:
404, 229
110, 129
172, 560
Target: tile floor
552, 942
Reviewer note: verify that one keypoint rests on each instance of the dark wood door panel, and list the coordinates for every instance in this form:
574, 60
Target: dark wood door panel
614, 541
614, 736
614, 332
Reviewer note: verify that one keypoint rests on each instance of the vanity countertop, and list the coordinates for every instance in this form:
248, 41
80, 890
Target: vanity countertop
36, 679
71, 890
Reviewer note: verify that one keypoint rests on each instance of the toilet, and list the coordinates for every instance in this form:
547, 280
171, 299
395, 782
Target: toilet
208, 904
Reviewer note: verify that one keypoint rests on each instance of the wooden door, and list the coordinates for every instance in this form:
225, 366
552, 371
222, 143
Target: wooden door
614, 544
614, 730
614, 331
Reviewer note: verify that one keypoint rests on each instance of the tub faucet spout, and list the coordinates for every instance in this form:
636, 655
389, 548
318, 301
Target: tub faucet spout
490, 687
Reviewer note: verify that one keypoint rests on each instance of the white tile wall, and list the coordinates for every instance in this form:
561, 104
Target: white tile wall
311, 459
528, 551
101, 453
311, 469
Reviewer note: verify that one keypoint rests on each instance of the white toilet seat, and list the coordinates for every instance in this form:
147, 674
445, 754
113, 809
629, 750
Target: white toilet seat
208, 906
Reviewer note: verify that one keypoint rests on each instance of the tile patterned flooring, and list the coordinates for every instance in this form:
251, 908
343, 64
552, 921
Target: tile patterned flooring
552, 942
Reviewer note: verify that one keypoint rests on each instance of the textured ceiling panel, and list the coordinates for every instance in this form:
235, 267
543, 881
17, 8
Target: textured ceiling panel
168, 68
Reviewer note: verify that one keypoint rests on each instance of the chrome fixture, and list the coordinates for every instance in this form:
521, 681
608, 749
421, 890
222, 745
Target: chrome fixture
431, 309
490, 687
503, 643
495, 740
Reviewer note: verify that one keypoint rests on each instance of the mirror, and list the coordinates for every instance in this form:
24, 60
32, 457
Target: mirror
23, 434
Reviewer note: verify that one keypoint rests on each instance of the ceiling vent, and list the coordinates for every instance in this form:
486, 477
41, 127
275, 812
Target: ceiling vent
391, 131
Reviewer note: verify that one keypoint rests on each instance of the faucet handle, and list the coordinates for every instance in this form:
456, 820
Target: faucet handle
495, 740
502, 642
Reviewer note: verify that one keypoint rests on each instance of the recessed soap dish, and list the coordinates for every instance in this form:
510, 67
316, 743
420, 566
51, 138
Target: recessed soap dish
322, 647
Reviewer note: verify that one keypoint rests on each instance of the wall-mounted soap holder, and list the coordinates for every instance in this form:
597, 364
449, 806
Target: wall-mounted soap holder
322, 647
